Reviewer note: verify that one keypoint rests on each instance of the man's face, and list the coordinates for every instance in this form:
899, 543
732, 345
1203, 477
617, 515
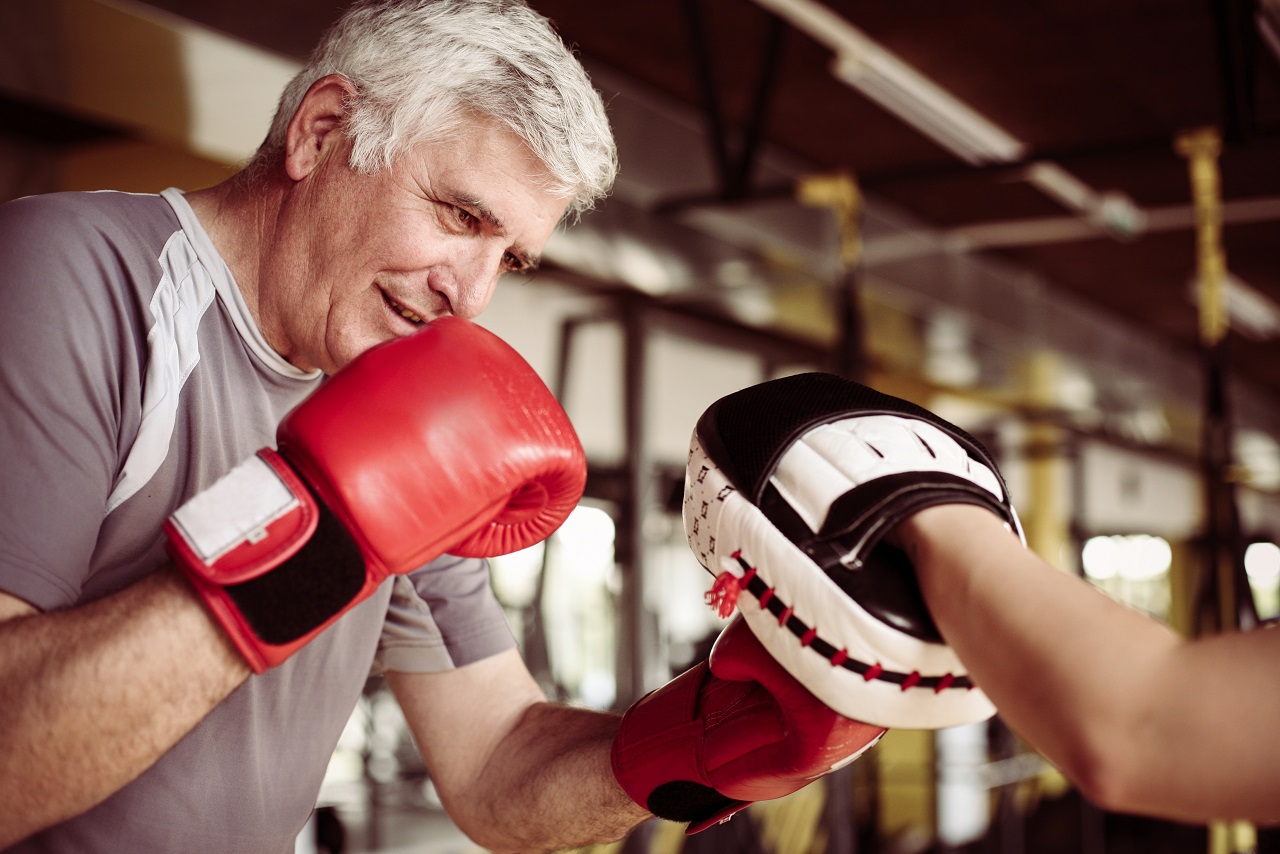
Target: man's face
361, 259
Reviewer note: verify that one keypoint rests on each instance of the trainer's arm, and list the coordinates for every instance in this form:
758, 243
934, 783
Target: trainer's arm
1136, 717
515, 772
90, 697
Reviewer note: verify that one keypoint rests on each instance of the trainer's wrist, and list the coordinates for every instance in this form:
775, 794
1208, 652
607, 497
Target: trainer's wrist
945, 526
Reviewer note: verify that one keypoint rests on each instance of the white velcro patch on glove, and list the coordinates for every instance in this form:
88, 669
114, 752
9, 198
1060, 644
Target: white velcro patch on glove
237, 508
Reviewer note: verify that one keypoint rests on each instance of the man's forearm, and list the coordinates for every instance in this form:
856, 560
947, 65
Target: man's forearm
91, 697
557, 766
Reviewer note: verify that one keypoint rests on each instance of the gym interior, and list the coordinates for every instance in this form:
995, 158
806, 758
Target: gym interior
1052, 223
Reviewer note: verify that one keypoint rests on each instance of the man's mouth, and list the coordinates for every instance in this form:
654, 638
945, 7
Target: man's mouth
408, 315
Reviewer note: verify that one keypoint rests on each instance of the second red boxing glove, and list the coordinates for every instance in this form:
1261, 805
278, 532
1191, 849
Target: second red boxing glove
732, 730
444, 441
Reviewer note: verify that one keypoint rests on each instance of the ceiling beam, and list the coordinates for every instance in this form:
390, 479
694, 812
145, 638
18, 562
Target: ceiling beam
1007, 234
734, 155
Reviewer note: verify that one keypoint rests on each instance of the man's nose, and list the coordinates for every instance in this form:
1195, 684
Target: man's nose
477, 280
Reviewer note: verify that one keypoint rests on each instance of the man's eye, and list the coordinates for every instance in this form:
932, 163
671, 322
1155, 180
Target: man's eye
464, 217
512, 264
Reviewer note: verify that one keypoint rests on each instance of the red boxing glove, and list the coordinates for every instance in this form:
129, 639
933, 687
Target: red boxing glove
735, 729
443, 441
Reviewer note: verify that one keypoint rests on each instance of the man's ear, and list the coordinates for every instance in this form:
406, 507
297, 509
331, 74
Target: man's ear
316, 127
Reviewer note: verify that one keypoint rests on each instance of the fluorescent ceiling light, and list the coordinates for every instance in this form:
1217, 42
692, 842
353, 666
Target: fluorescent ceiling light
893, 84
1268, 20
1249, 311
916, 243
935, 113
1112, 211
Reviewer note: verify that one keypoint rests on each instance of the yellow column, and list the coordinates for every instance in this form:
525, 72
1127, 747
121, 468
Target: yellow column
1046, 521
838, 192
1201, 148
908, 800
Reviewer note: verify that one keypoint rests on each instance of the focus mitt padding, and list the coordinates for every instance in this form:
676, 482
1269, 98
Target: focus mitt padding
790, 489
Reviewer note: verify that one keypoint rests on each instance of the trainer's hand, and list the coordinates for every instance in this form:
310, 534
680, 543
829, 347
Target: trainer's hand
732, 730
443, 441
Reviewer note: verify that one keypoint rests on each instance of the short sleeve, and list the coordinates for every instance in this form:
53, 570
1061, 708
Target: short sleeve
442, 616
65, 345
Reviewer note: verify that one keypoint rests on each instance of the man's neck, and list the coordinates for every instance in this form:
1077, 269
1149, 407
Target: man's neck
236, 220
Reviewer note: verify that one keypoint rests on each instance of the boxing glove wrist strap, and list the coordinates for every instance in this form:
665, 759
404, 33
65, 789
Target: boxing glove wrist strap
265, 553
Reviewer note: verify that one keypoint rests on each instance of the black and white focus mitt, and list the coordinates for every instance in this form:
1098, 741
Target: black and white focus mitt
790, 490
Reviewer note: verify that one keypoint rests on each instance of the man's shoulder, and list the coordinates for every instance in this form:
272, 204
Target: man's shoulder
100, 249
85, 202
105, 212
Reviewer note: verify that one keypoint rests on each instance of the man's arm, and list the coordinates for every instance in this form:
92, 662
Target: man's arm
1136, 717
90, 697
515, 772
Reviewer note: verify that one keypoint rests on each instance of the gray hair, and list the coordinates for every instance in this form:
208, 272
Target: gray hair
420, 66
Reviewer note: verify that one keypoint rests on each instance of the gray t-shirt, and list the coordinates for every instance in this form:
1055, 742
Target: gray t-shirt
132, 376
